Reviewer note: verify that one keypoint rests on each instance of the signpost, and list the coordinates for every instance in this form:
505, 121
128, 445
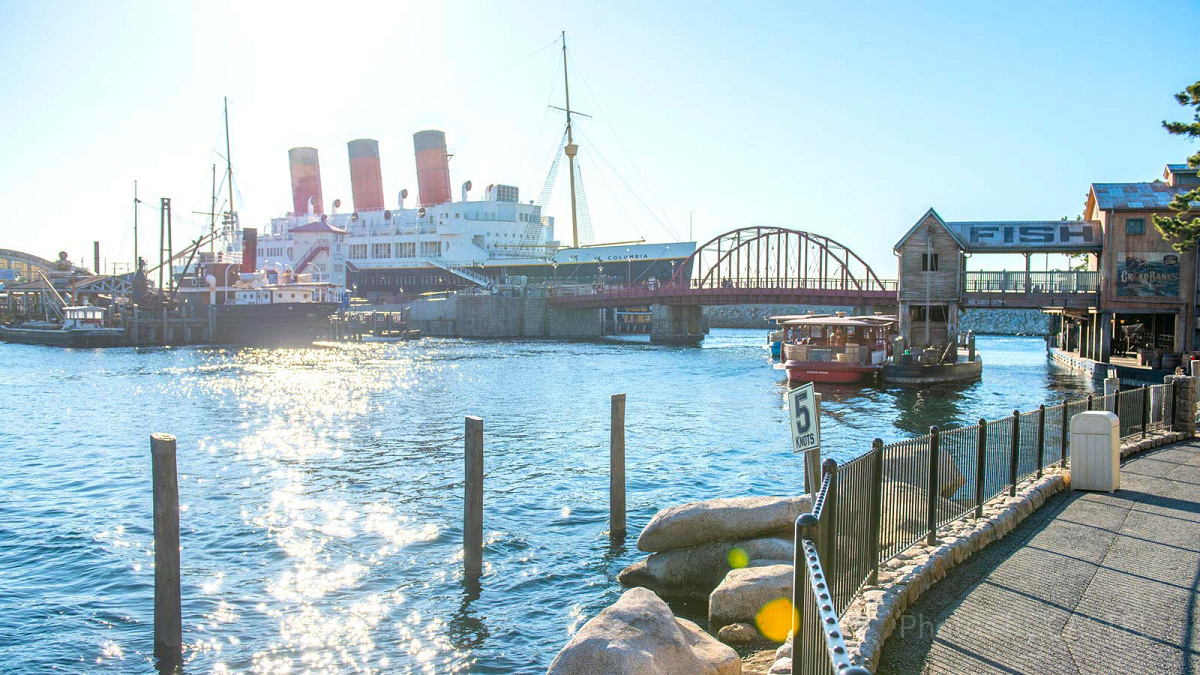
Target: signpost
804, 410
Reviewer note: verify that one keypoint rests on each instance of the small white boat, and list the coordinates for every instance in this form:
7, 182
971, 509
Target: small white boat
81, 327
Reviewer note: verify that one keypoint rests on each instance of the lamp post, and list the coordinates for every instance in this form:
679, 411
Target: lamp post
600, 271
554, 265
629, 267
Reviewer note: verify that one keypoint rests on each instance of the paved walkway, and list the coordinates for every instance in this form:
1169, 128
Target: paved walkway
1089, 583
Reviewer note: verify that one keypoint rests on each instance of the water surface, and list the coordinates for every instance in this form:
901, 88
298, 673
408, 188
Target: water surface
321, 489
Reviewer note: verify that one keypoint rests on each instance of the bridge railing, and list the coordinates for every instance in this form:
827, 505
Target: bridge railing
1069, 281
806, 283
878, 505
649, 289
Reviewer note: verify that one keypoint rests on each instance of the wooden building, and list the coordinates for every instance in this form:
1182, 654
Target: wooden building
1145, 283
1138, 294
931, 260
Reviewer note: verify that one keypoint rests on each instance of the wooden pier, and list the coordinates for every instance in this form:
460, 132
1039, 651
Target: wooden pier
360, 326
188, 325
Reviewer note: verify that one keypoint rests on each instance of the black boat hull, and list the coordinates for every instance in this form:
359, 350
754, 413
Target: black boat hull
104, 337
279, 324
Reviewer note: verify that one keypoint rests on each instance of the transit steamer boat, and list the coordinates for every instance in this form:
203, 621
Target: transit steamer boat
776, 337
836, 349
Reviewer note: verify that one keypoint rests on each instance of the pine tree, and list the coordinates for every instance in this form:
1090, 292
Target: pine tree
1185, 230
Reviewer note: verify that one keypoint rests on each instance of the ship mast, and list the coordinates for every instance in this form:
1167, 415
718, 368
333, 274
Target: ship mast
571, 148
137, 262
212, 214
232, 219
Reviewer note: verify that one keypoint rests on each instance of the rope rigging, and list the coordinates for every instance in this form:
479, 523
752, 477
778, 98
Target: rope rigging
585, 217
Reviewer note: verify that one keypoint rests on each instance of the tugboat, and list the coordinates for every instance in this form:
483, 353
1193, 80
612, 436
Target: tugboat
80, 327
837, 349
261, 307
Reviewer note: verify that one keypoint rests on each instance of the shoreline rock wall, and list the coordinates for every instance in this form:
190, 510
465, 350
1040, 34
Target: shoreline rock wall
755, 316
1005, 322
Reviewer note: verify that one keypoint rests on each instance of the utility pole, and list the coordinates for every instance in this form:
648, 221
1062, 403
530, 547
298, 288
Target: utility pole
164, 242
571, 148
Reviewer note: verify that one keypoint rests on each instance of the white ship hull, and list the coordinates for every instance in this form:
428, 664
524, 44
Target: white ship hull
634, 263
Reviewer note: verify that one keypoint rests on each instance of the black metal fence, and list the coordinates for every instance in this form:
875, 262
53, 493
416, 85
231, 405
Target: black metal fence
879, 504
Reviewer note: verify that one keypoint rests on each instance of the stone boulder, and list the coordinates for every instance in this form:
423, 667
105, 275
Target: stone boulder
638, 635
739, 634
725, 519
904, 465
694, 571
744, 592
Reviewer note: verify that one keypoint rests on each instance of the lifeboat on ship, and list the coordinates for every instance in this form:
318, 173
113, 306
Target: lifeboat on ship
837, 349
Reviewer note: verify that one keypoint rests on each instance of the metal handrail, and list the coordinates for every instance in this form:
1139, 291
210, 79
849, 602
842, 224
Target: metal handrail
1058, 281
817, 643
992, 458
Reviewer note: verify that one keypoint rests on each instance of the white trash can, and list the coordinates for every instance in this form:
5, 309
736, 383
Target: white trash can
1095, 451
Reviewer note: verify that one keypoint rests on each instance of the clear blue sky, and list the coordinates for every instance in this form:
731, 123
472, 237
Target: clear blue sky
846, 121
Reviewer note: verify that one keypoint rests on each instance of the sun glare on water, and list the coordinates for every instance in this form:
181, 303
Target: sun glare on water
329, 533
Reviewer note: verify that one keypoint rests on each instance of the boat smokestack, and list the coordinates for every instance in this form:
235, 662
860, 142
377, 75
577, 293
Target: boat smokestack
306, 180
249, 250
433, 167
466, 188
366, 178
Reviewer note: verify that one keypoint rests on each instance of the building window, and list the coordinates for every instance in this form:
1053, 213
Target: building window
937, 313
1135, 226
929, 262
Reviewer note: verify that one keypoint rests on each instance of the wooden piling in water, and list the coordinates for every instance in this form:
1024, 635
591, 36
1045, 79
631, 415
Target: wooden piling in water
616, 468
168, 622
473, 499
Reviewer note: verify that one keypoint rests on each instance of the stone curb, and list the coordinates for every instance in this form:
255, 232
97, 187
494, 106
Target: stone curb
872, 616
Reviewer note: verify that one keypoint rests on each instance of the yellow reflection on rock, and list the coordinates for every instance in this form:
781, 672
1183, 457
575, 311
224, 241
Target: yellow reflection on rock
775, 618
738, 558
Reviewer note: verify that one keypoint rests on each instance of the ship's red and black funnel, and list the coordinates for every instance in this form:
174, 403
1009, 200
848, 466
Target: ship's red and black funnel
249, 250
366, 178
433, 167
306, 180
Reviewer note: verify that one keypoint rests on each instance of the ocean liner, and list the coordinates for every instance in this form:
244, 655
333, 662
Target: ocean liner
390, 253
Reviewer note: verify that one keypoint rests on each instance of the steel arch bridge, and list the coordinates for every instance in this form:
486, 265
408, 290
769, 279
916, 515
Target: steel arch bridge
775, 257
752, 265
